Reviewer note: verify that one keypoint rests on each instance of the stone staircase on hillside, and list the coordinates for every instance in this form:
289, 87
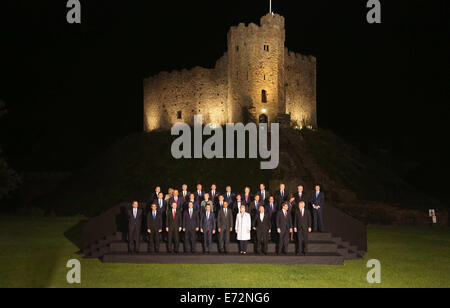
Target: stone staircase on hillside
323, 248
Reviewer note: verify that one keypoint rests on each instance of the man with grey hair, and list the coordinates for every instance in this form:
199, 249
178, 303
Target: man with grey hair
299, 195
207, 227
302, 226
281, 195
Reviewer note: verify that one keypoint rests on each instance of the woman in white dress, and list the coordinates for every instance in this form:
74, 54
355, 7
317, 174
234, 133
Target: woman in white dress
243, 227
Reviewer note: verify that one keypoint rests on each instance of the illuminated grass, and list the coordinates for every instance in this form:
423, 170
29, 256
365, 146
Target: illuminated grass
34, 253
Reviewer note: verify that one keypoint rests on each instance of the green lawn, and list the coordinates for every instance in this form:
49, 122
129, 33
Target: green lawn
34, 253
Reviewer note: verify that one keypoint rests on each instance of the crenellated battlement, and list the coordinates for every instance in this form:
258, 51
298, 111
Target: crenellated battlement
273, 20
295, 57
268, 22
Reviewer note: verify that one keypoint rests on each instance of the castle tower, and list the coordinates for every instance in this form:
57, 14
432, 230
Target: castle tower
256, 62
256, 79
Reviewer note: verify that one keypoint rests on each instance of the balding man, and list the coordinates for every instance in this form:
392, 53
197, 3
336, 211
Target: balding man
281, 195
302, 226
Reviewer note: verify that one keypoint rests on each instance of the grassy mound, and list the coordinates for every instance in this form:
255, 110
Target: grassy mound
350, 169
133, 167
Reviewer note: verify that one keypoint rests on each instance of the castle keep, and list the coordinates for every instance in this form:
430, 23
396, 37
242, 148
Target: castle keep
257, 79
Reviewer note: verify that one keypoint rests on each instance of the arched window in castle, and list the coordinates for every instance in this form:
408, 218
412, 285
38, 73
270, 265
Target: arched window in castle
179, 115
264, 96
237, 48
266, 47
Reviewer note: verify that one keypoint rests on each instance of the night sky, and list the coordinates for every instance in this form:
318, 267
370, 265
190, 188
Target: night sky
72, 90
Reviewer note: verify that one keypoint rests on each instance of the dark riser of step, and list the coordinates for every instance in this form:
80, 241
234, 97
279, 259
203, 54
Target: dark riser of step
313, 246
143, 258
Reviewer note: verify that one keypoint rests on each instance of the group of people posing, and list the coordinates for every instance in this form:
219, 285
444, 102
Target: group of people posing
262, 217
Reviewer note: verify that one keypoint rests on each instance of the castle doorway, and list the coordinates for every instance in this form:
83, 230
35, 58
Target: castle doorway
263, 119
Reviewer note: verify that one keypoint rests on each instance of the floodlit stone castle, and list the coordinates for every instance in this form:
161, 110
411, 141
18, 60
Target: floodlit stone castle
257, 79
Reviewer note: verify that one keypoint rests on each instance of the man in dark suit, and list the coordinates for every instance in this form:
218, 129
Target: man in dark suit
284, 229
263, 193
272, 210
220, 202
135, 215
253, 208
229, 196
208, 228
176, 198
281, 195
191, 198
302, 226
191, 225
155, 195
154, 228
214, 194
224, 227
173, 228
199, 193
184, 194
262, 226
161, 206
300, 196
237, 205
317, 203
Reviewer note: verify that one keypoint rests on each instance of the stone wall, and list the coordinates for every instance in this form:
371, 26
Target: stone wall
178, 96
301, 89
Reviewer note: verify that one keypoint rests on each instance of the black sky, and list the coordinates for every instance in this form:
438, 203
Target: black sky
71, 90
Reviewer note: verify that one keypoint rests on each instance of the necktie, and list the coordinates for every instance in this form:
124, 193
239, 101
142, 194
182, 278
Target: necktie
285, 216
160, 203
225, 212
264, 195
174, 212
302, 213
190, 213
134, 213
154, 215
184, 194
207, 215
271, 206
282, 193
